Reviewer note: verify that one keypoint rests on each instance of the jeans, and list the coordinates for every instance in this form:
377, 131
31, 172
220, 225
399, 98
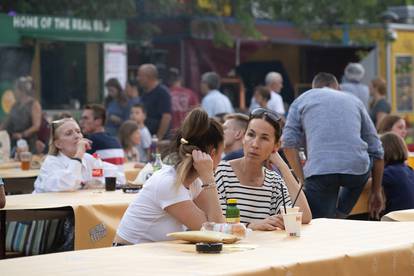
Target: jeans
334, 195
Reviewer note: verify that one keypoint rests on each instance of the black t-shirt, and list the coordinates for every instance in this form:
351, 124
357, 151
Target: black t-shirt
156, 102
381, 106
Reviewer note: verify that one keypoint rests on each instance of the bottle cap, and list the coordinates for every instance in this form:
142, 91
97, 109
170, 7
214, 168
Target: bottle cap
232, 201
21, 143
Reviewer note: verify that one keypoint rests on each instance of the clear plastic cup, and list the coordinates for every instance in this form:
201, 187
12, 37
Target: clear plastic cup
25, 160
293, 223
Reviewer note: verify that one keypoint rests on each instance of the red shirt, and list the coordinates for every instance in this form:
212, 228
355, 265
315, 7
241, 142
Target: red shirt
183, 100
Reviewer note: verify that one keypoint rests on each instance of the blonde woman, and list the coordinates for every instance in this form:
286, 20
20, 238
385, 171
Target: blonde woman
68, 167
182, 196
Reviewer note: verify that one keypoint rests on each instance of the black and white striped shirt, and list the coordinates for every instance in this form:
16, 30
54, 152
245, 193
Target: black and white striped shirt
255, 203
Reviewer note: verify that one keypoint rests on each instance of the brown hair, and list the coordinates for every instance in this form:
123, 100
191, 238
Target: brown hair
262, 91
197, 132
98, 110
380, 85
125, 132
269, 116
54, 126
395, 150
387, 123
323, 79
120, 97
242, 120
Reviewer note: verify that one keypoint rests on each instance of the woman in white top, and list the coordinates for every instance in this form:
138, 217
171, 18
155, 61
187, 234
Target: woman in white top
261, 193
68, 167
182, 196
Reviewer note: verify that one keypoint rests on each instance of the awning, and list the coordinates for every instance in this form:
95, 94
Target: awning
14, 28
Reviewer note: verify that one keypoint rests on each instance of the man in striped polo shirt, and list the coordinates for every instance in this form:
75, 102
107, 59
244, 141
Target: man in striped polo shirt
107, 146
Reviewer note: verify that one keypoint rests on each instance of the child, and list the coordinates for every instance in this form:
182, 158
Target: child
139, 115
130, 138
262, 96
398, 179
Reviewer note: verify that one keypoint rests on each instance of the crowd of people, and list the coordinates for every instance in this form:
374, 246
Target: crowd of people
349, 142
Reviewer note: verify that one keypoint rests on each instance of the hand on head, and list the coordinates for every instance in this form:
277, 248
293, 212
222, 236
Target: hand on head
203, 164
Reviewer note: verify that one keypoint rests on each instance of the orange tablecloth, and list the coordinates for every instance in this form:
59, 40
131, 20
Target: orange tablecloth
97, 213
327, 247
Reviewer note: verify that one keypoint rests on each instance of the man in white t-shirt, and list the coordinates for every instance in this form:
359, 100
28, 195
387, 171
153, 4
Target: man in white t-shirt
274, 82
214, 102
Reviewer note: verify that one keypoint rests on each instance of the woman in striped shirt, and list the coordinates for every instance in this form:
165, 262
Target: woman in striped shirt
257, 189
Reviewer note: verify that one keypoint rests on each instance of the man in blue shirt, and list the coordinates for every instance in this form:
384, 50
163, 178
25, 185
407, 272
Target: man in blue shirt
156, 100
214, 102
341, 142
107, 146
234, 128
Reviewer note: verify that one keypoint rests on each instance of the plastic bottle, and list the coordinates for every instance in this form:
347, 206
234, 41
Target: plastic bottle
97, 169
237, 229
153, 148
157, 163
232, 211
21, 146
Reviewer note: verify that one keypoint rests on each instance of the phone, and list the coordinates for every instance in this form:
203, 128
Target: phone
131, 190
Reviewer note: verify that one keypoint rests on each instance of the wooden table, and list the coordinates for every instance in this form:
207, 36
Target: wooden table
327, 247
16, 180
93, 210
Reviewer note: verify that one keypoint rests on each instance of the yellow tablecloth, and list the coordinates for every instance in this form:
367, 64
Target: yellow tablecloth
130, 171
402, 215
327, 247
97, 213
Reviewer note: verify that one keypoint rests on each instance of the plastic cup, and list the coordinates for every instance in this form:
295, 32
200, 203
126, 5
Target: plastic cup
291, 210
110, 183
293, 223
25, 160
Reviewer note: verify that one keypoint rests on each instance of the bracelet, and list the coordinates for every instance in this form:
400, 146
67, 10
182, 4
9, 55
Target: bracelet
247, 225
210, 185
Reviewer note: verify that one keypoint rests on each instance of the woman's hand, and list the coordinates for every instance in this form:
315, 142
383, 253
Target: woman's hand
276, 160
82, 146
203, 164
271, 223
115, 119
17, 136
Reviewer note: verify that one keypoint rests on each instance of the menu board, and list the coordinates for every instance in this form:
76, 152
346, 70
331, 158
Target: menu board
404, 83
115, 62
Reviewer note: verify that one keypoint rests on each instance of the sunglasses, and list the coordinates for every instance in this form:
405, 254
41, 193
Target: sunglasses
267, 115
262, 113
58, 123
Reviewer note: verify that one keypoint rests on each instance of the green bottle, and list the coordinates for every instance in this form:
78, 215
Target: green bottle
232, 211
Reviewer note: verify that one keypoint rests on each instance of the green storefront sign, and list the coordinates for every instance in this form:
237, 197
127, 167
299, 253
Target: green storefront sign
14, 28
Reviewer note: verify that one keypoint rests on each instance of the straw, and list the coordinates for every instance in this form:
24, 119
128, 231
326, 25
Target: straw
297, 196
283, 198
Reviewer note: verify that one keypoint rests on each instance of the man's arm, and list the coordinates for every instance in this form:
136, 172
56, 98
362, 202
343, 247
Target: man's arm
164, 124
292, 155
376, 200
